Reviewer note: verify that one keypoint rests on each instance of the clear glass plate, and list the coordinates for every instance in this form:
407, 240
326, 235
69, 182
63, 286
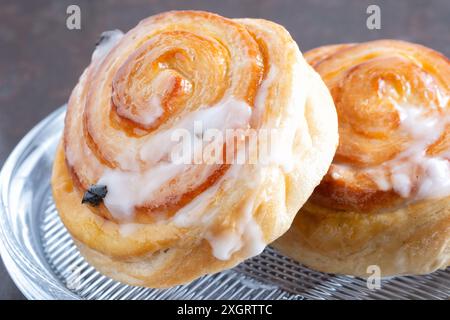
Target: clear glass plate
45, 264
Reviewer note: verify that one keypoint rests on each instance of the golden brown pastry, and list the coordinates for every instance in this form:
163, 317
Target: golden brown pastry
385, 199
152, 221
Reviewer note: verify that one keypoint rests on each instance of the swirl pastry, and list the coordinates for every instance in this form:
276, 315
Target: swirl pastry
385, 199
152, 221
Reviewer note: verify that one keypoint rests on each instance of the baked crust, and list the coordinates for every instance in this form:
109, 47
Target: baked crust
410, 240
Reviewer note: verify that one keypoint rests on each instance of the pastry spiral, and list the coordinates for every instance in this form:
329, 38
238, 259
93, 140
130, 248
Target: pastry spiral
385, 199
164, 222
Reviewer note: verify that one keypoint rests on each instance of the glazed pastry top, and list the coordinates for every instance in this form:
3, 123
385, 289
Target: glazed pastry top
170, 73
393, 104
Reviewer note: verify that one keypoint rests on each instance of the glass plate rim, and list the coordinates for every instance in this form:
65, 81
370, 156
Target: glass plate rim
29, 272
31, 279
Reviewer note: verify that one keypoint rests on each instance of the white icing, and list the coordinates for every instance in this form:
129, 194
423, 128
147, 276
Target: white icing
382, 181
130, 188
336, 175
110, 39
225, 244
424, 129
413, 165
245, 234
148, 114
128, 229
254, 242
436, 180
227, 114
401, 183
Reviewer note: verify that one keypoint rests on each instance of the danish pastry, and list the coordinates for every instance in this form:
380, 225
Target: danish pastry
385, 200
142, 216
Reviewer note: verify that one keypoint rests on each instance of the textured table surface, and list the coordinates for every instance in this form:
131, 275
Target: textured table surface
41, 60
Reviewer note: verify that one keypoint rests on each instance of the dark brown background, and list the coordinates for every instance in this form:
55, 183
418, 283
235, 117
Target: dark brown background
41, 60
